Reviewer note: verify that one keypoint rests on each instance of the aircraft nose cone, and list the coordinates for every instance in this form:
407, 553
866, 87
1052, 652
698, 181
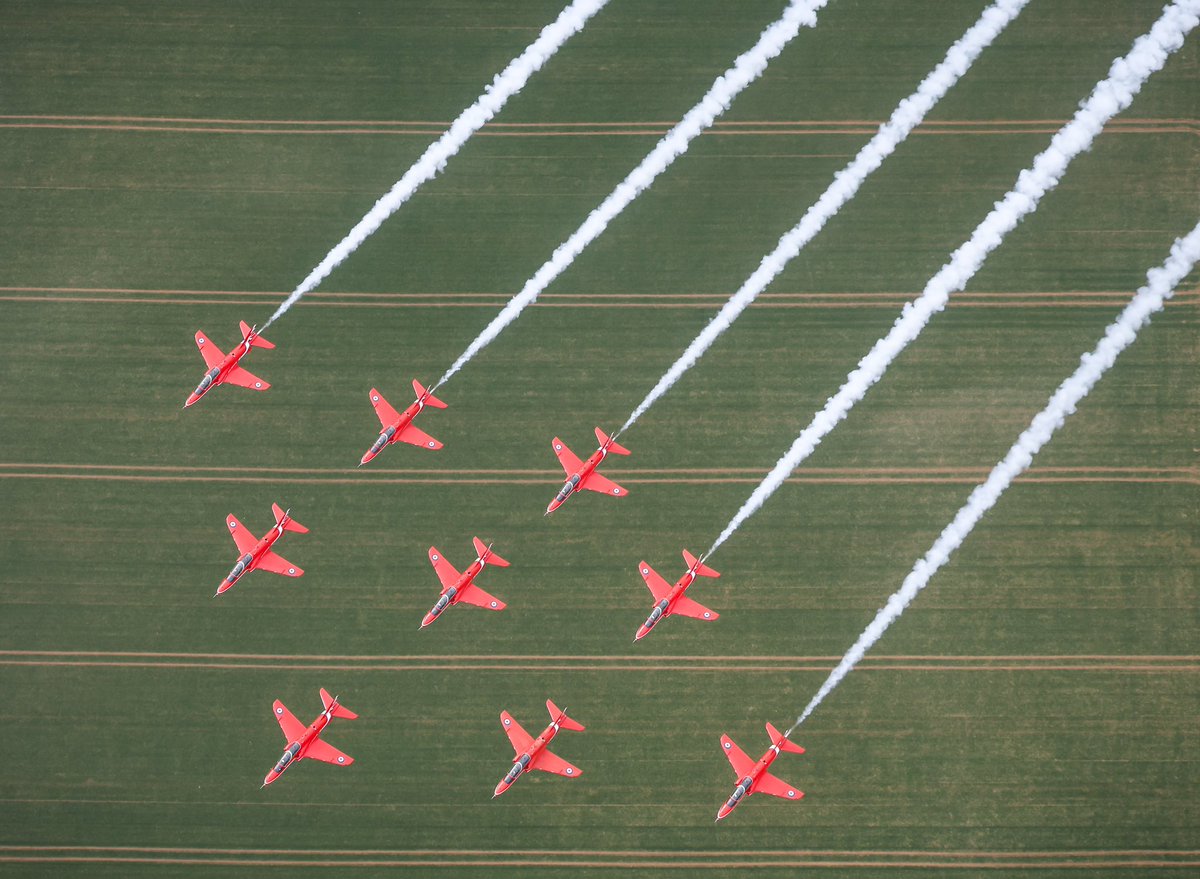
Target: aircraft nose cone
500, 788
271, 776
551, 507
429, 618
641, 633
192, 398
365, 458
724, 810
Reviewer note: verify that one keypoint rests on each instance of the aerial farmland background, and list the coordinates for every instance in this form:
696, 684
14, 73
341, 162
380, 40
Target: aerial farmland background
171, 167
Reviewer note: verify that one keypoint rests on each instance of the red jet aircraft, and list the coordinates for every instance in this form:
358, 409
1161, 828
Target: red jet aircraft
671, 598
398, 426
582, 474
224, 367
458, 587
531, 752
753, 778
257, 553
304, 742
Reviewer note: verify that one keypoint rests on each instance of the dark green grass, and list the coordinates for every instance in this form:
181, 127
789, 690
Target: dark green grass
929, 760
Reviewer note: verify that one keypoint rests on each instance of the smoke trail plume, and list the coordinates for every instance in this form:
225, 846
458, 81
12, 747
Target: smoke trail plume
1126, 77
747, 68
909, 113
1120, 334
506, 84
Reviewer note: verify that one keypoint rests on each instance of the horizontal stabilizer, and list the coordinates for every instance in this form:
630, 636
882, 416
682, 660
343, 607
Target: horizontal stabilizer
291, 524
338, 710
785, 744
257, 341
615, 447
701, 570
430, 400
493, 558
563, 721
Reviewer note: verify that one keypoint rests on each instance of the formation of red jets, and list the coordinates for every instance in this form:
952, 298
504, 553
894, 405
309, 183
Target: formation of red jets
255, 554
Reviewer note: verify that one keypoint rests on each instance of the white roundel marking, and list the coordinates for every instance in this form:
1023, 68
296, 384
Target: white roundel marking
645, 570
200, 340
232, 525
434, 557
279, 711
374, 398
507, 721
791, 793
558, 447
570, 771
258, 384
341, 759
493, 604
727, 746
291, 570
707, 615
432, 444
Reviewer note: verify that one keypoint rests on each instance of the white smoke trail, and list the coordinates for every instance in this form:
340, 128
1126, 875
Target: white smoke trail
1120, 334
746, 68
909, 113
1126, 77
506, 84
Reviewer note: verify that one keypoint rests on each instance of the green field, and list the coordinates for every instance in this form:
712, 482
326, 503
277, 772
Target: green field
170, 167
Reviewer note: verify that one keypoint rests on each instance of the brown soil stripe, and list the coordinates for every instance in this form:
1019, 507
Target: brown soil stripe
867, 660
619, 853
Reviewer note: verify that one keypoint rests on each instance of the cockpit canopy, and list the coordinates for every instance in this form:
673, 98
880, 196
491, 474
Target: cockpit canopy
287, 757
208, 379
570, 486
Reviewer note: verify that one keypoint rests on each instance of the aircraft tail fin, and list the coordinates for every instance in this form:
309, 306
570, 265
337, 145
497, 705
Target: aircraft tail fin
702, 570
257, 341
557, 714
291, 524
493, 559
339, 710
616, 448
784, 743
431, 399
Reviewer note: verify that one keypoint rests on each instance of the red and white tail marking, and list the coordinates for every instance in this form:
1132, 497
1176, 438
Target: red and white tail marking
558, 716
430, 400
701, 570
614, 447
492, 557
339, 710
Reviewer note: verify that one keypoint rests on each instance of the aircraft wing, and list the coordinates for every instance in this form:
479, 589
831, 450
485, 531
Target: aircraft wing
387, 415
445, 571
211, 353
688, 608
547, 762
414, 436
277, 564
244, 539
243, 378
476, 596
520, 739
741, 763
570, 462
596, 482
658, 587
318, 749
775, 786
292, 728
